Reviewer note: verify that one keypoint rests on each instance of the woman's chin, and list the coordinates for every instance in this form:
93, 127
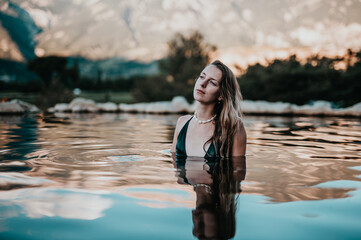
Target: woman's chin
199, 99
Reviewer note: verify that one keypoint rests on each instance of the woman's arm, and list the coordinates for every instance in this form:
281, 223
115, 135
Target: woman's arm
239, 141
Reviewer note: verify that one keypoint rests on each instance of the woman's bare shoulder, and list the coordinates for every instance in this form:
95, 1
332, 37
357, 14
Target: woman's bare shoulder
241, 129
240, 140
183, 119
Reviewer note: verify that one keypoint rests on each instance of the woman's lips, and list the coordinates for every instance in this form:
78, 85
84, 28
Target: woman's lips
200, 91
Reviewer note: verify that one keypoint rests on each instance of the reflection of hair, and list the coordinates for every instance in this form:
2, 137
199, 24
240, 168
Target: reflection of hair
222, 210
228, 111
226, 184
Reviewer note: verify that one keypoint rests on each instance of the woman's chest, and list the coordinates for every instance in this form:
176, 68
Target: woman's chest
197, 139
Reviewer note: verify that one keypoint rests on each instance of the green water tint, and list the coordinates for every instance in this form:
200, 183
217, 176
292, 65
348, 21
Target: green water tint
111, 176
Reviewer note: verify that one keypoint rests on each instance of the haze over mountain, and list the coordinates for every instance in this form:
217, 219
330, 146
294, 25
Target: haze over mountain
139, 29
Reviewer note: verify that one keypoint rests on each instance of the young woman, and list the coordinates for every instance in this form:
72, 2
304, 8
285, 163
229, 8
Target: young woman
216, 128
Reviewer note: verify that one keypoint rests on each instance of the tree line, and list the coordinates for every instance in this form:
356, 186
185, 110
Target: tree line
287, 80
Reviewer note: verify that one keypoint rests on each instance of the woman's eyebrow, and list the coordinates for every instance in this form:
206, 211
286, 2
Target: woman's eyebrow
210, 77
213, 79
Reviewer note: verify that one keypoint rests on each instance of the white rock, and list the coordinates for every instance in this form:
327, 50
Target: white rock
260, 107
180, 104
107, 107
61, 107
26, 106
138, 107
158, 107
354, 110
9, 107
83, 105
317, 108
17, 106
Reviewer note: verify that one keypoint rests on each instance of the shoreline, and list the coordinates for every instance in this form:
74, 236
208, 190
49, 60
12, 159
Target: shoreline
179, 105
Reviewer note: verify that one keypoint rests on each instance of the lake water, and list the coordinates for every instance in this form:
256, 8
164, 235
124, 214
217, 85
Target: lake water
111, 176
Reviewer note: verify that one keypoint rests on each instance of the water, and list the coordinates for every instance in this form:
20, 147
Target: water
111, 176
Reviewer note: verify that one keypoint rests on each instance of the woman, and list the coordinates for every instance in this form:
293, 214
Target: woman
216, 128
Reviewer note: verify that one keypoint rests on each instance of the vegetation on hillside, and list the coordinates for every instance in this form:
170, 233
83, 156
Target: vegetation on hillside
186, 58
290, 81
287, 80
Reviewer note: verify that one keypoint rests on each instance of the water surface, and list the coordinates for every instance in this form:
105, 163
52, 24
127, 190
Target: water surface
92, 176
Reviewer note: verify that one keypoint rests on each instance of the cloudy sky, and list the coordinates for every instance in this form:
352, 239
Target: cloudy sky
245, 31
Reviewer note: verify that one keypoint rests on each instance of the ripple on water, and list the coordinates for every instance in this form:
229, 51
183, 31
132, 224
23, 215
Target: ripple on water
126, 158
12, 180
14, 166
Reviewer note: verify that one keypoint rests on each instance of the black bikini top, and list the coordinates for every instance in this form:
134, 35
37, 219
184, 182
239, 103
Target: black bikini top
181, 143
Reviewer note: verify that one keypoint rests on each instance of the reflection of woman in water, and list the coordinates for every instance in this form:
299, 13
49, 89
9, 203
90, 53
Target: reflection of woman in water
216, 124
215, 182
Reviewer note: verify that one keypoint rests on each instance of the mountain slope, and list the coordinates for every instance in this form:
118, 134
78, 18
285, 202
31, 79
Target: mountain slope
20, 27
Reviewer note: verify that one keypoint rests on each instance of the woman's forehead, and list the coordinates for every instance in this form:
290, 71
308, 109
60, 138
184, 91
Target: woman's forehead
213, 72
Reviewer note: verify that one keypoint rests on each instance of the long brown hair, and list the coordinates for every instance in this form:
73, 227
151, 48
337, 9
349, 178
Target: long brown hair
228, 111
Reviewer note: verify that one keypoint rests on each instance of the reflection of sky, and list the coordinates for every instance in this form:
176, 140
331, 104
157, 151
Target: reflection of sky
41, 213
324, 219
47, 202
60, 214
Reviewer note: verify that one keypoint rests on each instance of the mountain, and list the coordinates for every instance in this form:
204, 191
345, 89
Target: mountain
139, 29
18, 33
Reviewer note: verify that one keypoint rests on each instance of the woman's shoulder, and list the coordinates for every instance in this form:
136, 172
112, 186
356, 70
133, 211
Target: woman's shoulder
240, 140
183, 119
241, 131
240, 122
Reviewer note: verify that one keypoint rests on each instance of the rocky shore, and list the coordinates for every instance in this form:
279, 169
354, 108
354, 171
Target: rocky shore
16, 106
180, 105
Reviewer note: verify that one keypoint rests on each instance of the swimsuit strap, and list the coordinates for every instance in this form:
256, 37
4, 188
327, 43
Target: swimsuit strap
181, 140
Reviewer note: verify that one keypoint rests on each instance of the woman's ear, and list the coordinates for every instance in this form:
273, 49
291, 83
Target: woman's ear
219, 99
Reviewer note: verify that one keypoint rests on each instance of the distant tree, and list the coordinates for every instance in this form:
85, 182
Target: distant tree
55, 92
50, 67
186, 58
290, 81
57, 79
73, 75
146, 90
349, 89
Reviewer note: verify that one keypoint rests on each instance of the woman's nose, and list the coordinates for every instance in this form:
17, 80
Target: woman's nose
204, 84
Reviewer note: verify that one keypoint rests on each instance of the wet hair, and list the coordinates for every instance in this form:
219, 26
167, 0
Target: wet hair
228, 111
225, 189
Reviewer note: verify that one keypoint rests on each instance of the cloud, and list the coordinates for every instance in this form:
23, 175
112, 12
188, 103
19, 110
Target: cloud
337, 36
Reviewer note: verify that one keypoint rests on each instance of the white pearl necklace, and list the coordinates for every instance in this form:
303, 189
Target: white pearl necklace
206, 187
205, 121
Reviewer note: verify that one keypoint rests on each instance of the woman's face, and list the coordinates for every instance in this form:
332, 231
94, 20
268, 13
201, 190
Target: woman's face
206, 89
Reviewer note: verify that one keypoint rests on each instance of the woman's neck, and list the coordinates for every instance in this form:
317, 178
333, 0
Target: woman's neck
204, 111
